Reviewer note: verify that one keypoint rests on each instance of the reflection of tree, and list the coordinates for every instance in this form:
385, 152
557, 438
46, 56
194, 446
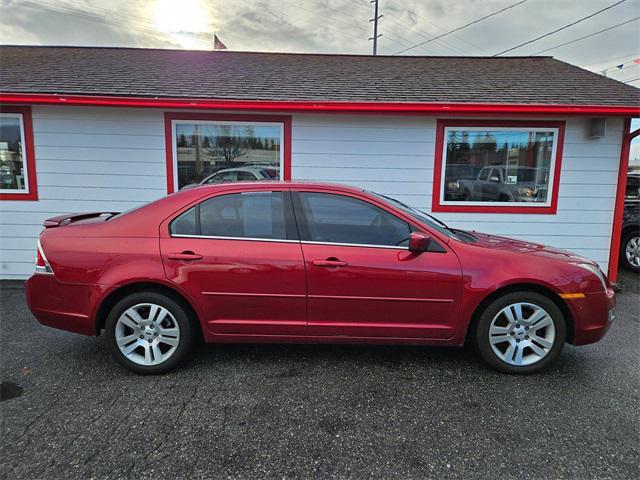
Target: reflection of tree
229, 143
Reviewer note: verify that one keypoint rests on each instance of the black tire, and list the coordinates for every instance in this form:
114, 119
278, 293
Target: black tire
481, 332
467, 195
626, 238
178, 312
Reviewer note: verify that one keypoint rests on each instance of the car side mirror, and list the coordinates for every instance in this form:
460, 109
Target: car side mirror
494, 179
418, 242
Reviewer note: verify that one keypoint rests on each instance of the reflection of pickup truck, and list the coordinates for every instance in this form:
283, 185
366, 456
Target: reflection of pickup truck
497, 184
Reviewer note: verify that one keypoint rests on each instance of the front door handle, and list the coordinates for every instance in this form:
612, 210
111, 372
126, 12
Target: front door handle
330, 262
185, 256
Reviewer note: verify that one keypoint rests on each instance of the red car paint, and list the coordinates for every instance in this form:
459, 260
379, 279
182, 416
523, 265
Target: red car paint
291, 291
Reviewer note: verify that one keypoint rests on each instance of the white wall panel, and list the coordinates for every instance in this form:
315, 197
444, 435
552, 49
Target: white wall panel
87, 159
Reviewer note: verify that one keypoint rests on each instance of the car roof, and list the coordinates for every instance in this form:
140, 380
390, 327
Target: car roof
267, 184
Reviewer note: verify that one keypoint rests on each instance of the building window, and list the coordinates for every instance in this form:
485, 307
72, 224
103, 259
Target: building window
210, 149
17, 169
498, 167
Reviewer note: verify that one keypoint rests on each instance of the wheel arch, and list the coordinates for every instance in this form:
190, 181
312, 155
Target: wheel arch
523, 287
113, 297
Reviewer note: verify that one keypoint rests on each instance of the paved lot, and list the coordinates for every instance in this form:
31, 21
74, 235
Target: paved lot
316, 411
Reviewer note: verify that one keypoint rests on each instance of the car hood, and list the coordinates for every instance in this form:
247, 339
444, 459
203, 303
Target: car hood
495, 242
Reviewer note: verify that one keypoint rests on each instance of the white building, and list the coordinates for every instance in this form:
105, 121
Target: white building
527, 147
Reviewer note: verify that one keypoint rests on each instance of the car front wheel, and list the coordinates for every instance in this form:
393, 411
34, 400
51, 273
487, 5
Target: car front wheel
520, 332
148, 332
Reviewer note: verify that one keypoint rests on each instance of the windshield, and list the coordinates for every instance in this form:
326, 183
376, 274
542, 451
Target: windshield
420, 216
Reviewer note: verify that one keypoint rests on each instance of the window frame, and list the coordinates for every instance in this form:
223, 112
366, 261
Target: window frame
30, 193
173, 118
291, 228
550, 207
303, 228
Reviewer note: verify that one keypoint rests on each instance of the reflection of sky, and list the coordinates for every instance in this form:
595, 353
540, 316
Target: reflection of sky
511, 138
236, 130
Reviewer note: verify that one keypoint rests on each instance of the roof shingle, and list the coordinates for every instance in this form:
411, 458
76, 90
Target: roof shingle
226, 75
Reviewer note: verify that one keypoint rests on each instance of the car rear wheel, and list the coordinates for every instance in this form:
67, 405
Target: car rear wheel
630, 254
149, 332
520, 332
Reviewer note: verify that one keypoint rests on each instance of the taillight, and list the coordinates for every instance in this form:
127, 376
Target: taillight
42, 265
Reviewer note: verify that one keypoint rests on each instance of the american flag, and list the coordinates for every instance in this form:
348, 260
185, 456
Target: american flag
217, 44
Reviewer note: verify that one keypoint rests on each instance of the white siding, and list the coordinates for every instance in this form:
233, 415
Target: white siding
114, 159
87, 159
395, 156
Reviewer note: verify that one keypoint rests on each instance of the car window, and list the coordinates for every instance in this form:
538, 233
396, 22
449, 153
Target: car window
334, 218
484, 174
222, 177
246, 176
259, 215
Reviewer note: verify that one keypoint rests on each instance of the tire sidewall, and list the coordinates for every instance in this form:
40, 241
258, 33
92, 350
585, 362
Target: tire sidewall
481, 336
178, 312
623, 253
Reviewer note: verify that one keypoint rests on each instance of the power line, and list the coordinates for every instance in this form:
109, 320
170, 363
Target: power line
440, 28
465, 26
561, 28
586, 36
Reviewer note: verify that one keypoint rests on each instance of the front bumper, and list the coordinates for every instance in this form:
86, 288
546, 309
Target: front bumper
593, 316
66, 306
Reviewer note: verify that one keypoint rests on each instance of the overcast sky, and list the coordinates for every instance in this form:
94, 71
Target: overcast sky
339, 26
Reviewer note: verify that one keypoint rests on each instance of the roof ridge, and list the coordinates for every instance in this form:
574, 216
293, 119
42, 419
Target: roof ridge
253, 52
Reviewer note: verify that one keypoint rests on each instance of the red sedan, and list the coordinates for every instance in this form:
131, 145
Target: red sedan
296, 262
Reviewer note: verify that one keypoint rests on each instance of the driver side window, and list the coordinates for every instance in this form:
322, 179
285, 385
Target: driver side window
334, 218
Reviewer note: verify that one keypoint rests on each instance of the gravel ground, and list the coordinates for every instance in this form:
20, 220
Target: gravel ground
305, 411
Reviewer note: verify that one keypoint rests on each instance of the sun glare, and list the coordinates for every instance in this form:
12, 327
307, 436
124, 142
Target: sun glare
180, 16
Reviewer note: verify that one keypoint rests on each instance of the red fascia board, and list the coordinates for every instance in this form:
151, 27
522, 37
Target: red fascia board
304, 106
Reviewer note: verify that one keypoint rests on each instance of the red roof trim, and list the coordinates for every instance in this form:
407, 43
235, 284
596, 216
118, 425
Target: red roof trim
293, 106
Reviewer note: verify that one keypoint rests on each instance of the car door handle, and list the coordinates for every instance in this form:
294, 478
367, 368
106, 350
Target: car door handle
329, 262
185, 256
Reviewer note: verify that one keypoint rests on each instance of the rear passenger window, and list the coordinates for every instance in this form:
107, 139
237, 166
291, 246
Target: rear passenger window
334, 218
260, 215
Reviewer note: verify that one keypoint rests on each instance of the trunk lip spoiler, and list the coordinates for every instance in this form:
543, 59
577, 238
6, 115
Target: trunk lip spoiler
71, 217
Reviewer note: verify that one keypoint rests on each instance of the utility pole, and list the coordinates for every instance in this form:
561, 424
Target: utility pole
375, 27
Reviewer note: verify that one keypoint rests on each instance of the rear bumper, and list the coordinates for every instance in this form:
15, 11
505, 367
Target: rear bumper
65, 306
593, 316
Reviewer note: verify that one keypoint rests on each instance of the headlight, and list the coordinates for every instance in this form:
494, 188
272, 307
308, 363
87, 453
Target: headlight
595, 270
455, 185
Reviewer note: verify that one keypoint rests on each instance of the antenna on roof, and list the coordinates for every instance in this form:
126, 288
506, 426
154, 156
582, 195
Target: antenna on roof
375, 27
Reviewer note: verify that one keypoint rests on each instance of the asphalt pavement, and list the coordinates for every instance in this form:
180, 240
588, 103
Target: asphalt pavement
308, 411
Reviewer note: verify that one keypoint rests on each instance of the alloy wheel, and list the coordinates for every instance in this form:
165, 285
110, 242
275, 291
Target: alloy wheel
522, 334
632, 251
147, 334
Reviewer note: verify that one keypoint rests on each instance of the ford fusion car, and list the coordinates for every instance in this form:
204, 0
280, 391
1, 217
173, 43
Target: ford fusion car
313, 263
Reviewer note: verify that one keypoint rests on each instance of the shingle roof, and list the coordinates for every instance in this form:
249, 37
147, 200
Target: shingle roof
305, 77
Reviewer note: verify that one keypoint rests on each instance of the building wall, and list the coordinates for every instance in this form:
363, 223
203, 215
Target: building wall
113, 159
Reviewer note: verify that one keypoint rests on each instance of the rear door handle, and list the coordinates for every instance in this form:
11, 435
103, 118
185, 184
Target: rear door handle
185, 256
331, 262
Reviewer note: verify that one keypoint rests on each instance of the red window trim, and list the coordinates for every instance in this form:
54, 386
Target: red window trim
231, 117
436, 206
28, 150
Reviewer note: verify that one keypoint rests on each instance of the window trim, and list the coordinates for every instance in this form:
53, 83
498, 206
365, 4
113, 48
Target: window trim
171, 118
289, 217
549, 208
29, 163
